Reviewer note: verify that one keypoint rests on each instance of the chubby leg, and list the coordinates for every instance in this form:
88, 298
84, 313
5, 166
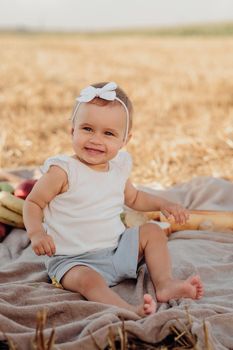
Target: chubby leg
153, 245
93, 287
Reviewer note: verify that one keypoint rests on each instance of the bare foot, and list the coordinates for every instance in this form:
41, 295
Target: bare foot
192, 288
148, 307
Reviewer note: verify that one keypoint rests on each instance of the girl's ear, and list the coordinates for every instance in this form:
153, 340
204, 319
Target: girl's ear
128, 138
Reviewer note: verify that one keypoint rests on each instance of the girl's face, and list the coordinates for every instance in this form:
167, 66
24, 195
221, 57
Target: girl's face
98, 134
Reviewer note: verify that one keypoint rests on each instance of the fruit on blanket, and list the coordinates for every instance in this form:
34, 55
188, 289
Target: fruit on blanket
11, 202
3, 231
11, 218
6, 186
24, 188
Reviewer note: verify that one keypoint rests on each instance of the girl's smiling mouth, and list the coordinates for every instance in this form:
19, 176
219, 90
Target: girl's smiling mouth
93, 151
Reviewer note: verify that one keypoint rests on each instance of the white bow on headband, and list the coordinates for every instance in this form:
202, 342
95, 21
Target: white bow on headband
107, 92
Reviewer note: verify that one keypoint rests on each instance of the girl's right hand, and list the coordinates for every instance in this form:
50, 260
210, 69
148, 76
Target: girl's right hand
43, 244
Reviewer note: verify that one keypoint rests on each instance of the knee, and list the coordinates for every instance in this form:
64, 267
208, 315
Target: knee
86, 281
151, 231
79, 279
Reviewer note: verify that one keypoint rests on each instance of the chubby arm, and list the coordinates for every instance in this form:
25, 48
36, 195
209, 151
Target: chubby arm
46, 188
143, 201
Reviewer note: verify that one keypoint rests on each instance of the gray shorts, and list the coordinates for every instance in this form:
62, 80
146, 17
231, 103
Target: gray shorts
114, 265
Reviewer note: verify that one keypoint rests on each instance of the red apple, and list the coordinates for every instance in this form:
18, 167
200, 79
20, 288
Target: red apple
24, 188
3, 231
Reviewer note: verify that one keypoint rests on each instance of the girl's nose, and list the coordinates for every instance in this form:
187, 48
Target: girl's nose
95, 138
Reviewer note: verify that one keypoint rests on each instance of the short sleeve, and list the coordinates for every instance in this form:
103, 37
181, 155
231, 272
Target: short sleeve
124, 163
60, 160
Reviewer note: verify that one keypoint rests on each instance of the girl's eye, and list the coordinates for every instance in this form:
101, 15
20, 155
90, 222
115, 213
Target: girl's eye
109, 133
87, 128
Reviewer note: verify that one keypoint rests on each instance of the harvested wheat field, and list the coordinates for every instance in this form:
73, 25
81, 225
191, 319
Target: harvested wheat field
182, 90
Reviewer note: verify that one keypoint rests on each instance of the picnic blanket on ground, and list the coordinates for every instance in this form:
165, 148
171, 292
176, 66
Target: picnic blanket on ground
25, 288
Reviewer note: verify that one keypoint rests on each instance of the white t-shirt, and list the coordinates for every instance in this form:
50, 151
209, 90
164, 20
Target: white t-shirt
86, 217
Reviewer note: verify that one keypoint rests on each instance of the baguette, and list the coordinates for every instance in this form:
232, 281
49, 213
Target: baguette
204, 220
198, 220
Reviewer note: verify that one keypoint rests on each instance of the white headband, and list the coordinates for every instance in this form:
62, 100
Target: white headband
107, 92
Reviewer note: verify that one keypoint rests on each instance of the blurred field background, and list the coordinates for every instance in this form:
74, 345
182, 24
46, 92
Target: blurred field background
181, 86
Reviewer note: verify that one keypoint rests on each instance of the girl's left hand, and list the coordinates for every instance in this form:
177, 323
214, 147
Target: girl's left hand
176, 212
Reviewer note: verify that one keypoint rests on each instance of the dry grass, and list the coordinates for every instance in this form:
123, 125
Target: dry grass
180, 338
182, 89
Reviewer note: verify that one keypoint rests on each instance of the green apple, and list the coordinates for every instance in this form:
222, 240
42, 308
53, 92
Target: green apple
6, 186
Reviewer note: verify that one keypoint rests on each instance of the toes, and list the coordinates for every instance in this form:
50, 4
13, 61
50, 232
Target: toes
197, 286
147, 308
195, 280
149, 304
199, 291
147, 298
